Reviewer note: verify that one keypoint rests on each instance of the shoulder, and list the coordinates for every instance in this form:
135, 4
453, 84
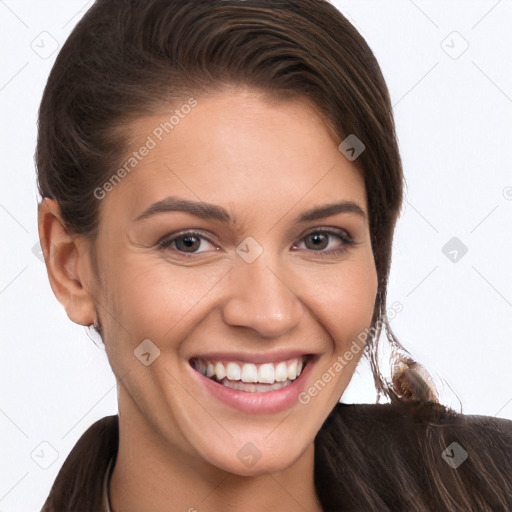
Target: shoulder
417, 456
412, 429
400, 418
78, 485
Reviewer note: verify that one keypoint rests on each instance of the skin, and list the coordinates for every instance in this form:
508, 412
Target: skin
266, 162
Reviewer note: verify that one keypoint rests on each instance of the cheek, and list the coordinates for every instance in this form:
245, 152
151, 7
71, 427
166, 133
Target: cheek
157, 300
345, 301
344, 308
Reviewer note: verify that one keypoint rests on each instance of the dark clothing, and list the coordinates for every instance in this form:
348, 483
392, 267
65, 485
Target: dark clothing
368, 457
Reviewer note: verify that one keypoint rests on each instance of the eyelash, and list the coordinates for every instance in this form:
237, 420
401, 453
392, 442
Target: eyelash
342, 235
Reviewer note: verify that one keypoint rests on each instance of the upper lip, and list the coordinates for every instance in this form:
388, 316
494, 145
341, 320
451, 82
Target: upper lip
257, 358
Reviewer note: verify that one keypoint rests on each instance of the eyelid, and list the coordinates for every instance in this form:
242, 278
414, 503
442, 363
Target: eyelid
342, 234
347, 240
327, 229
167, 240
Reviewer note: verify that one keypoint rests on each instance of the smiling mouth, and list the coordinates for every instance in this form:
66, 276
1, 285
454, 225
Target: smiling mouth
250, 377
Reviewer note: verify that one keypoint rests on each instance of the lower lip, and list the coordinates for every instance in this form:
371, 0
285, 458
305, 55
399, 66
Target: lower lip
267, 402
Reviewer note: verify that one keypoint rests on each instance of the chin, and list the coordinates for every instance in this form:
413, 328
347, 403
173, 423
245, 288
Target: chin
255, 454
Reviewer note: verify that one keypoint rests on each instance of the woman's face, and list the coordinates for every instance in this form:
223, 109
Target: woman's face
253, 283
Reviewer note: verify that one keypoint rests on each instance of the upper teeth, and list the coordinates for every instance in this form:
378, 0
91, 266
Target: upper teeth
266, 373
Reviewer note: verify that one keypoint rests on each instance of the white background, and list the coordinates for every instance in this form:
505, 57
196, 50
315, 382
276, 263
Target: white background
454, 125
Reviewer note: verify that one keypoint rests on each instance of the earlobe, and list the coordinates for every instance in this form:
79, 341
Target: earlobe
64, 255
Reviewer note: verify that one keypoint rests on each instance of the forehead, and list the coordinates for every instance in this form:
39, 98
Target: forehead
238, 148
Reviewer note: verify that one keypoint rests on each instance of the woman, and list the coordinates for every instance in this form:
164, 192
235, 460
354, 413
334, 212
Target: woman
220, 182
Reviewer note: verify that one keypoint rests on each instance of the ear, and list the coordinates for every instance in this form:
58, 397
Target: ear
67, 261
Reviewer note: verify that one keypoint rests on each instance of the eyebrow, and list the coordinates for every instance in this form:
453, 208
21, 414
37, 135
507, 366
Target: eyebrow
210, 211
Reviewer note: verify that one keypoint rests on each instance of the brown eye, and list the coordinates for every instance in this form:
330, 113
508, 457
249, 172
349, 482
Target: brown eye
328, 242
186, 243
318, 241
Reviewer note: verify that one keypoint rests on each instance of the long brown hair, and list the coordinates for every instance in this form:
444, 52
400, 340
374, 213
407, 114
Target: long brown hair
127, 58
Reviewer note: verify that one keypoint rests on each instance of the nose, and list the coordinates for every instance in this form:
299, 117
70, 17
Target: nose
261, 298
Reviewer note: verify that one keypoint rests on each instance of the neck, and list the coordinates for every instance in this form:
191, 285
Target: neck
151, 475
